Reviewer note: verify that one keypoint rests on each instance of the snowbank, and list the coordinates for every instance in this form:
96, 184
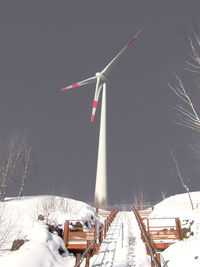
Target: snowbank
19, 220
41, 248
183, 253
177, 206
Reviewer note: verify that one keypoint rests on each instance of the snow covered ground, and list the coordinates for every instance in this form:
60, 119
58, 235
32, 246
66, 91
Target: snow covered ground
19, 220
122, 246
183, 253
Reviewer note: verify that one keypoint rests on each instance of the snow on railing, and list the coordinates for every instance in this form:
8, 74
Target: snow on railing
100, 234
90, 244
155, 257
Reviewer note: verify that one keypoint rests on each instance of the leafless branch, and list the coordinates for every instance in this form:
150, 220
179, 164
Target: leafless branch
190, 117
181, 179
189, 113
139, 201
15, 159
25, 167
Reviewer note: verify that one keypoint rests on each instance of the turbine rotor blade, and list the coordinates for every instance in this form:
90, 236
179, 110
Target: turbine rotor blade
87, 81
135, 36
107, 69
96, 97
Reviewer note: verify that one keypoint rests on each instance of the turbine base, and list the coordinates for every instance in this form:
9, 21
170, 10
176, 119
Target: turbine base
100, 204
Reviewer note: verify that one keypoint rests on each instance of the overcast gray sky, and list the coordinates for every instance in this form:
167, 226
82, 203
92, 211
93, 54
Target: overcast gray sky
46, 45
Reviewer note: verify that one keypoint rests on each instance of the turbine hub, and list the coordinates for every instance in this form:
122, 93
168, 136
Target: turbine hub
98, 75
101, 76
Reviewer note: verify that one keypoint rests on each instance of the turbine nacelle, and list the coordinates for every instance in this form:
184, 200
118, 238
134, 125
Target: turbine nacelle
101, 77
98, 75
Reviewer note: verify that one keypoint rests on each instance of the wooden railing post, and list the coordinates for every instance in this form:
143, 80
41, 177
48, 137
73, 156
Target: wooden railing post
178, 229
147, 230
87, 262
66, 233
152, 263
108, 224
95, 234
105, 229
158, 258
78, 255
101, 234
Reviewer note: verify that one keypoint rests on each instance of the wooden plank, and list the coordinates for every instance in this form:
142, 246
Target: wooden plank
76, 246
144, 213
162, 237
165, 233
162, 246
80, 236
105, 214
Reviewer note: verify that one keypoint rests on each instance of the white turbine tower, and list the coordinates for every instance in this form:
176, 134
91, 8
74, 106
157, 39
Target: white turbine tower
101, 81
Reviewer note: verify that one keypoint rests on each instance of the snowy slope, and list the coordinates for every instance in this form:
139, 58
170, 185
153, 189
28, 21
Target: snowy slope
183, 253
177, 206
19, 220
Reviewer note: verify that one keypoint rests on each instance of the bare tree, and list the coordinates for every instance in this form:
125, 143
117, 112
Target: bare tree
15, 157
51, 204
25, 166
181, 179
9, 157
163, 196
139, 201
187, 110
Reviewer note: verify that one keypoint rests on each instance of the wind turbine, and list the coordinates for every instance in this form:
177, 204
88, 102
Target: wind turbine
101, 81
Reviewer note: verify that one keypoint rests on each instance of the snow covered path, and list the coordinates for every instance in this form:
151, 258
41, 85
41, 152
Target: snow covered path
122, 246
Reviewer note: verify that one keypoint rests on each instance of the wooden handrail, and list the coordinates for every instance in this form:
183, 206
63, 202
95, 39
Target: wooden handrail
98, 235
155, 258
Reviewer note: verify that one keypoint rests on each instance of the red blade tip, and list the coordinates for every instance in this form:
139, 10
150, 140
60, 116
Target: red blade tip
92, 118
129, 43
63, 89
